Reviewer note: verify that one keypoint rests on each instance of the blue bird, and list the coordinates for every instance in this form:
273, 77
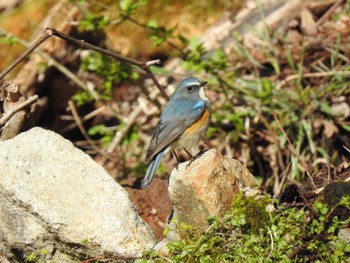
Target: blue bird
183, 123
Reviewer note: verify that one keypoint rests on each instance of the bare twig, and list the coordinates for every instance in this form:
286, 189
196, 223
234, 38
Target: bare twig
313, 75
86, 45
144, 65
301, 160
53, 32
51, 61
85, 118
283, 180
346, 148
81, 126
329, 12
37, 43
151, 63
161, 90
18, 108
319, 75
121, 133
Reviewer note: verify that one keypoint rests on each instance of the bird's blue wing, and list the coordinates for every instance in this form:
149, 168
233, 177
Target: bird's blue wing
174, 120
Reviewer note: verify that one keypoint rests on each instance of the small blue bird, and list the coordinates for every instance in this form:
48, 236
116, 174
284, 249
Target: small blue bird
183, 122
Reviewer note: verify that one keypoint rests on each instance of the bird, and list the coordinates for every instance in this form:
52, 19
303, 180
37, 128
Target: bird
182, 124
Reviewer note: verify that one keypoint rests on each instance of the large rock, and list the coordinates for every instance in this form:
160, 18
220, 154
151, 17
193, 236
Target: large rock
55, 199
206, 187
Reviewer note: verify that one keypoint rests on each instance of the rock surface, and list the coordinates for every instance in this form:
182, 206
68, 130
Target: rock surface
206, 187
55, 198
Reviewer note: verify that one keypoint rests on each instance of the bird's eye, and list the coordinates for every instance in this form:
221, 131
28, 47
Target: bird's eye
190, 88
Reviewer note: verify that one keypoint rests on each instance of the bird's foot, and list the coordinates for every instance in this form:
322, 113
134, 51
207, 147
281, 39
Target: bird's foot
196, 157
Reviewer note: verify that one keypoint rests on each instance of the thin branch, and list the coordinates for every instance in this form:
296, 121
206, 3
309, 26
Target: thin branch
37, 43
319, 75
86, 45
301, 160
52, 62
81, 126
346, 148
18, 108
144, 65
151, 63
329, 12
119, 135
284, 177
313, 75
83, 44
161, 90
85, 118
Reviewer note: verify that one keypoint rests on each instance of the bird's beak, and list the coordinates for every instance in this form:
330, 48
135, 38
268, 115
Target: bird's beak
204, 83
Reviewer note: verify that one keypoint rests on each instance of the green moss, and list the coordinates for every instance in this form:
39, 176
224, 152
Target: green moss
254, 209
40, 257
255, 230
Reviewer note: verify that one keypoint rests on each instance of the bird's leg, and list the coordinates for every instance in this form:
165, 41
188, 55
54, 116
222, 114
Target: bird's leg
193, 157
189, 153
177, 159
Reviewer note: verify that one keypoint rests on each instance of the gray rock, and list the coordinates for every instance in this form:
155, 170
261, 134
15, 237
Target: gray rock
56, 201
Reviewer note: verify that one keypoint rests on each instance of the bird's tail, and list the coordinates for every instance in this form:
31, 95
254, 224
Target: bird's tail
151, 170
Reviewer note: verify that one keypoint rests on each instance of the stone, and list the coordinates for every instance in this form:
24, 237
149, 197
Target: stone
55, 198
206, 187
344, 234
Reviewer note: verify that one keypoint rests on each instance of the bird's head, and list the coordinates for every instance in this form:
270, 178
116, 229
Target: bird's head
191, 87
